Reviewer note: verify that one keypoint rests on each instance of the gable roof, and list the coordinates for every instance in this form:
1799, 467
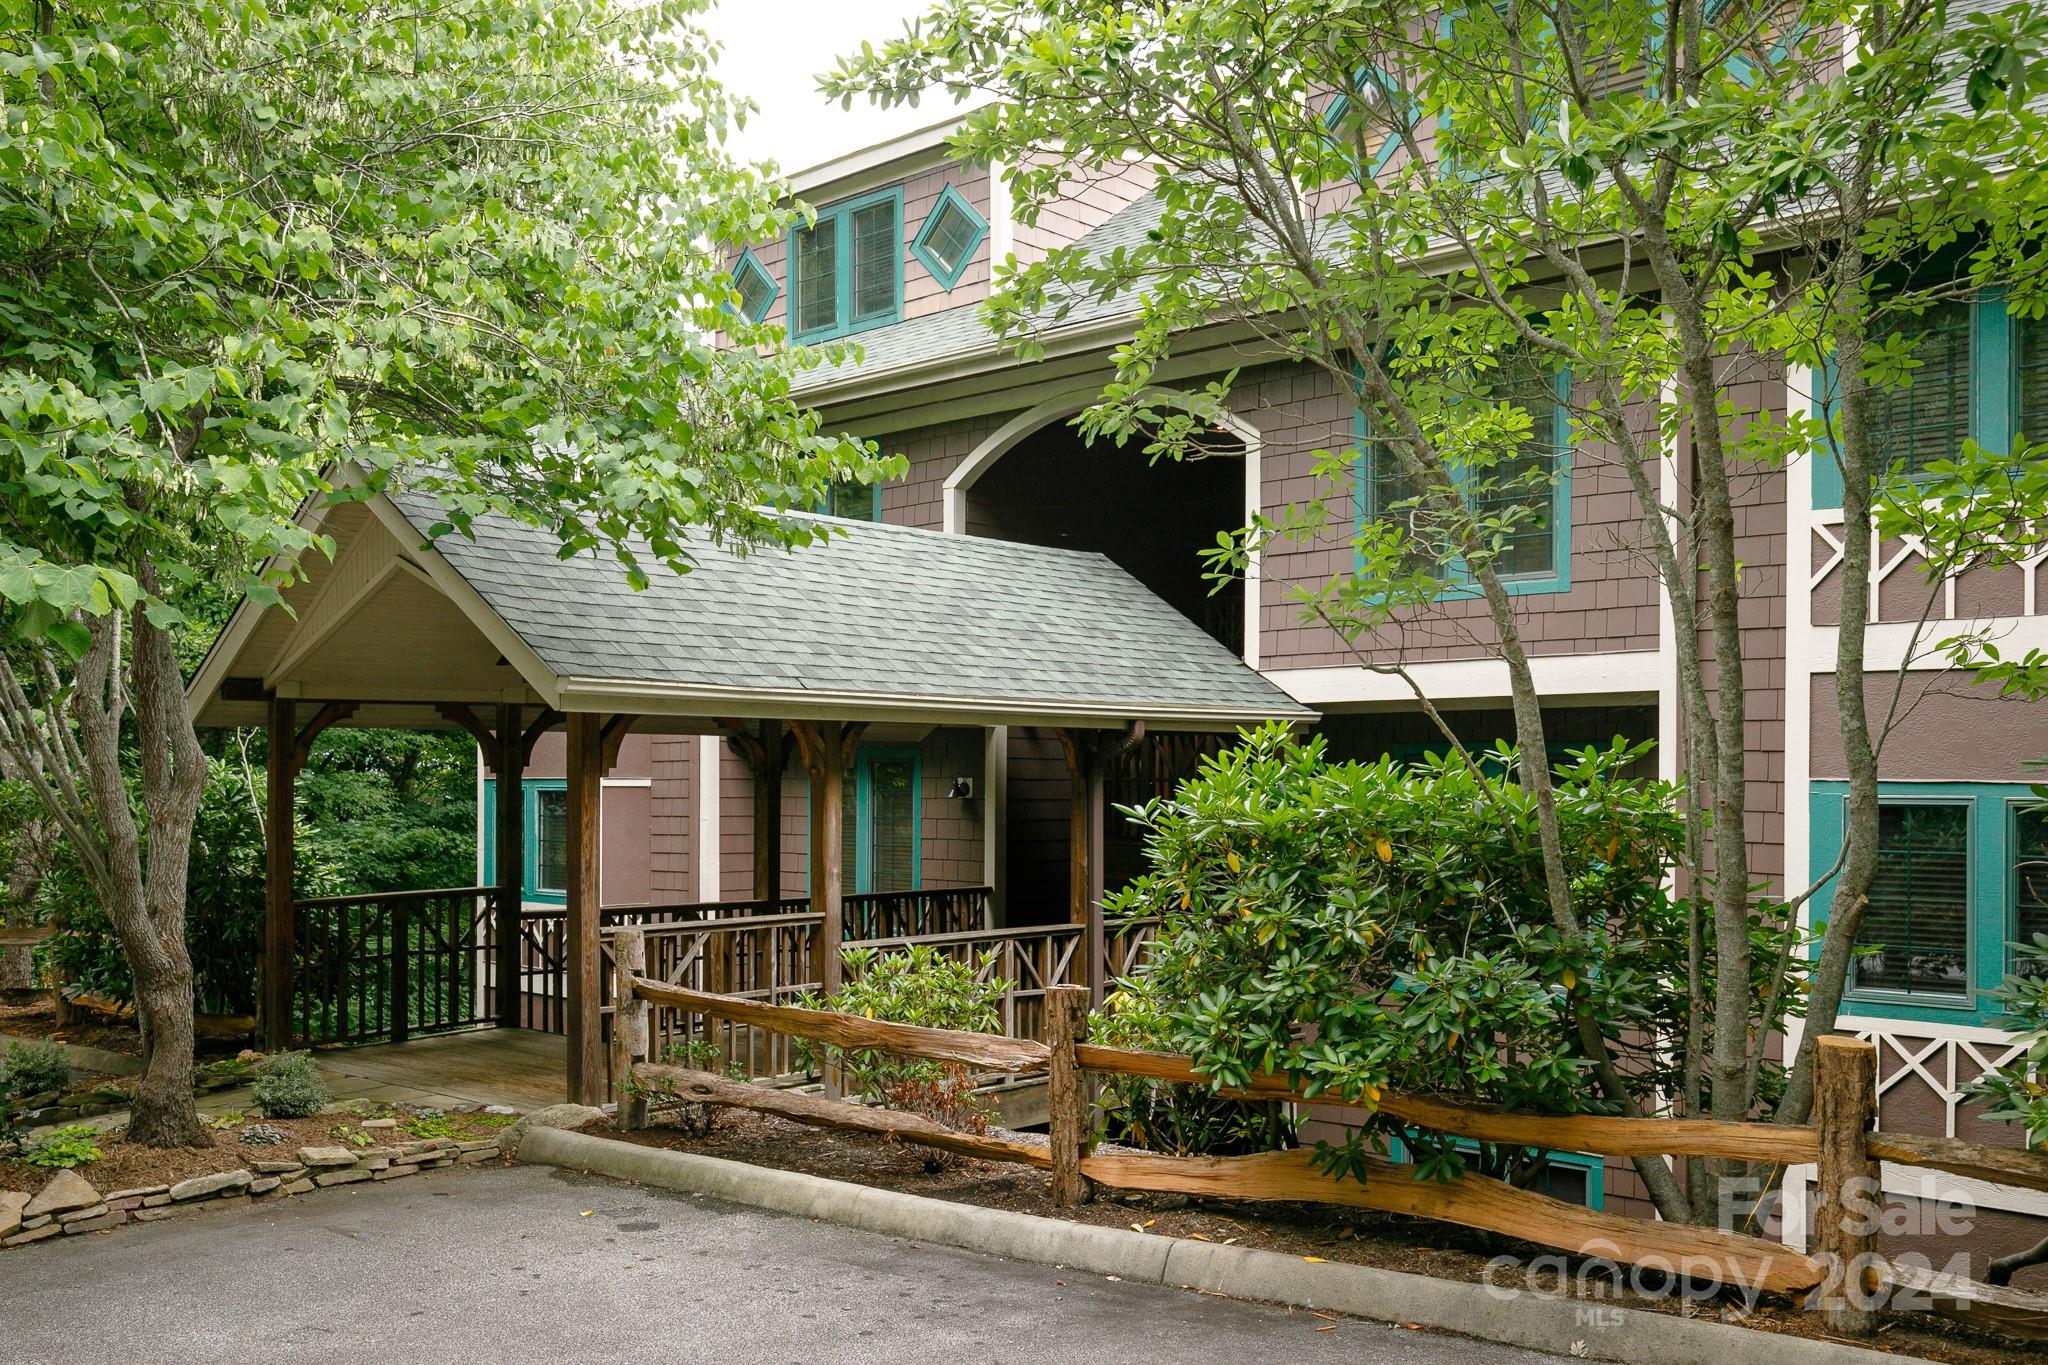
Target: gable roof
881, 622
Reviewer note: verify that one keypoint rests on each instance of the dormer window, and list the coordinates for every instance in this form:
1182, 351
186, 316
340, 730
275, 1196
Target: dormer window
949, 237
757, 288
846, 269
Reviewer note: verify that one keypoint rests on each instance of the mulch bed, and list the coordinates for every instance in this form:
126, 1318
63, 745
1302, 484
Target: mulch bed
128, 1165
37, 1018
1355, 1236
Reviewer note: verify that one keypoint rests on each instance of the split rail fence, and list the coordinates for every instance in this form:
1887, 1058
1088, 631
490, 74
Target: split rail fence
1841, 1274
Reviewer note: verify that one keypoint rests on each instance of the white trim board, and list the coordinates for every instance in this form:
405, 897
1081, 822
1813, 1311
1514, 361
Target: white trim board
1627, 676
1886, 643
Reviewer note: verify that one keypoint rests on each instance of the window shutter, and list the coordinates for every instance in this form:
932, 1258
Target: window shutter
1919, 912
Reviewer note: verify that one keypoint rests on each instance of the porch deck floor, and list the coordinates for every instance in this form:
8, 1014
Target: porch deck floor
510, 1066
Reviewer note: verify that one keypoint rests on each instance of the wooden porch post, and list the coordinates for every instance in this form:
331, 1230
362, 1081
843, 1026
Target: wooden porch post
826, 747
585, 791
510, 761
281, 774
1089, 754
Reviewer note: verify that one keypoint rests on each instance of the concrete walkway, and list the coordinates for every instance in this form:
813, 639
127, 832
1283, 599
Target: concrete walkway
531, 1264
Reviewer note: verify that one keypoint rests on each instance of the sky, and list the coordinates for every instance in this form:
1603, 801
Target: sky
774, 50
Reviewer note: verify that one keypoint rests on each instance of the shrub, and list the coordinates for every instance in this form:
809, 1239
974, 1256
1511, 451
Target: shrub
2014, 1092
1161, 1116
427, 1126
75, 1144
33, 1068
1360, 926
918, 986
290, 1087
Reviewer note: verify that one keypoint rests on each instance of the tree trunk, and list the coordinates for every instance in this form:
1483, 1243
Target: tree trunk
164, 1113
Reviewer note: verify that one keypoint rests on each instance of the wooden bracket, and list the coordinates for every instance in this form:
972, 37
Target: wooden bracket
547, 720
611, 737
764, 750
468, 719
823, 740
302, 746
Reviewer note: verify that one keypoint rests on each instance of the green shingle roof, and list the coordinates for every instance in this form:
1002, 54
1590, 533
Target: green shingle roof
909, 621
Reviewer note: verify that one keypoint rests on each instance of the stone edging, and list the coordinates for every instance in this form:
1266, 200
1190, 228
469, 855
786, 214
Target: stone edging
1540, 1322
80, 1208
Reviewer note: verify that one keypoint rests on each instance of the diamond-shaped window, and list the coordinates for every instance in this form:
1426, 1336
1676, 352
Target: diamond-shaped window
950, 235
757, 287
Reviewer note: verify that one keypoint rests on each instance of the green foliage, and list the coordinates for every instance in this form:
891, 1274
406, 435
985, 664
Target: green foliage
385, 810
1355, 927
33, 1068
290, 1087
2016, 1092
427, 1126
223, 917
1161, 1116
74, 1144
472, 243
923, 986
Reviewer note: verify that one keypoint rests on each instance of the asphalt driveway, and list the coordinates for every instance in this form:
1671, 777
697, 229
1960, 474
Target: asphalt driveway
533, 1264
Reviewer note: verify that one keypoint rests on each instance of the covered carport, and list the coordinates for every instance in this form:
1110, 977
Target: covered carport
876, 625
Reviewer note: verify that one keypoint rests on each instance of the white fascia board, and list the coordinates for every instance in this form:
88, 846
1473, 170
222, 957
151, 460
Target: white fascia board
672, 699
1887, 644
1623, 676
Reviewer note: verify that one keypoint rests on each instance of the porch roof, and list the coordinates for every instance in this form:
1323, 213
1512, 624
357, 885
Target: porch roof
883, 623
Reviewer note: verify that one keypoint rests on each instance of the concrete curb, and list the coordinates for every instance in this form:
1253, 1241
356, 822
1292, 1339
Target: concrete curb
1539, 1322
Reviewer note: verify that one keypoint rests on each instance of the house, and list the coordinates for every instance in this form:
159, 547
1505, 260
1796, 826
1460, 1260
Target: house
1017, 633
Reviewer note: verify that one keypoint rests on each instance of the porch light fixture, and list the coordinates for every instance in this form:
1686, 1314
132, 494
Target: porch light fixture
961, 790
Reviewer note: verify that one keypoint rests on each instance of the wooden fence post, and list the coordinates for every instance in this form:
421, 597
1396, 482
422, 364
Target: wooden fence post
629, 1026
1847, 1194
1066, 1023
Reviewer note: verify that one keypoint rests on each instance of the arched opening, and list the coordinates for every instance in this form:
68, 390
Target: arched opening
1153, 519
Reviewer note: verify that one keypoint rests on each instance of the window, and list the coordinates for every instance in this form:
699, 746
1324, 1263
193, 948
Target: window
1927, 419
1917, 925
2029, 876
949, 237
2030, 379
757, 288
549, 829
1962, 873
1535, 553
545, 815
1357, 117
853, 500
880, 839
1982, 375
846, 269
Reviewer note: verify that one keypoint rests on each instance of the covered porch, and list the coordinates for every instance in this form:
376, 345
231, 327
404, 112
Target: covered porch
789, 660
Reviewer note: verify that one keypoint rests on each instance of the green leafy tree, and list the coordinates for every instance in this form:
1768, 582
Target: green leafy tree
469, 248
1638, 197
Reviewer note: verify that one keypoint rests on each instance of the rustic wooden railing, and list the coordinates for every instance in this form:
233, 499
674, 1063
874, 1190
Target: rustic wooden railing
1843, 1275
356, 955
767, 958
392, 965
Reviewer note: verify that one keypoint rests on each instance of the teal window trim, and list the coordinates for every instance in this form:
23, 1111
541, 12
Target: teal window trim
826, 507
949, 199
1992, 901
1335, 112
1593, 1164
1993, 399
748, 264
1558, 577
842, 214
529, 877
862, 873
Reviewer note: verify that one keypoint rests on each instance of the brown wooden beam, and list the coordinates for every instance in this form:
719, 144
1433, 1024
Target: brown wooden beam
585, 793
459, 714
547, 720
508, 751
827, 746
615, 731
280, 774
